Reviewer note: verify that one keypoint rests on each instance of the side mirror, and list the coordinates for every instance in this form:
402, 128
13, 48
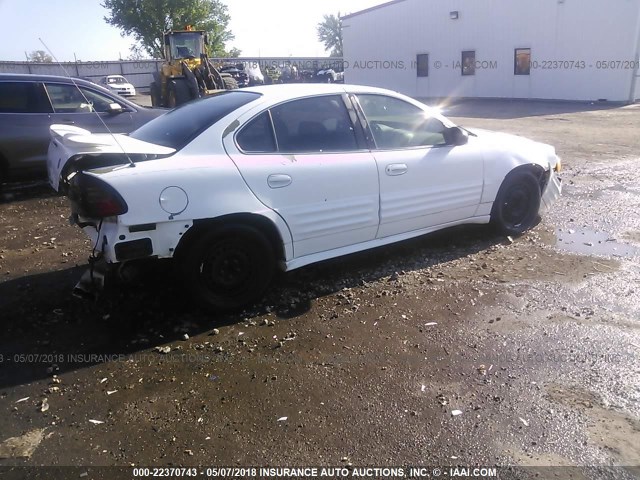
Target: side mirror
115, 108
455, 136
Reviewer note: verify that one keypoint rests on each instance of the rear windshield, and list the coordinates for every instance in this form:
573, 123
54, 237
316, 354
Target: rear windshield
178, 127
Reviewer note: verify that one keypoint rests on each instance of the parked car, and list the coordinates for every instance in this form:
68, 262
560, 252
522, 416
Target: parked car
29, 104
326, 75
272, 74
118, 84
255, 75
238, 184
290, 74
237, 72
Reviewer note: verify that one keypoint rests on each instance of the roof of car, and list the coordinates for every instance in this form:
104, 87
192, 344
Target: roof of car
284, 92
303, 89
33, 77
30, 77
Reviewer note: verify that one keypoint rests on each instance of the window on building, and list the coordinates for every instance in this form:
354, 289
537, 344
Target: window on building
468, 63
522, 61
422, 64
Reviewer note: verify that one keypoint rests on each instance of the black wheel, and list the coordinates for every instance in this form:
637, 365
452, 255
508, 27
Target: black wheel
4, 170
178, 93
516, 207
154, 91
229, 267
230, 83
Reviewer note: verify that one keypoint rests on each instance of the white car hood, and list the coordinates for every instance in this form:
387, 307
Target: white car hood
511, 142
68, 142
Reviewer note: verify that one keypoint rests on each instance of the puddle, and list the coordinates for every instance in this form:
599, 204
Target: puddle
588, 242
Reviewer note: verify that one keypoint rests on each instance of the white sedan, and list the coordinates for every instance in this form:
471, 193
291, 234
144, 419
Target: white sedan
118, 84
238, 184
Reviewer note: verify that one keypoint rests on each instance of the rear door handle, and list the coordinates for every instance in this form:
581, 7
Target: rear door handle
396, 169
279, 180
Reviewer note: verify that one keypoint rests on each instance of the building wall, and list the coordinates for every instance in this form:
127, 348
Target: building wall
589, 33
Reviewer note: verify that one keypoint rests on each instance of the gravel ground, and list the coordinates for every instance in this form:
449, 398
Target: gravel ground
360, 361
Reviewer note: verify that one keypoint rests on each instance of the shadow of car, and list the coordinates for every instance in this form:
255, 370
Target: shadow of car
29, 104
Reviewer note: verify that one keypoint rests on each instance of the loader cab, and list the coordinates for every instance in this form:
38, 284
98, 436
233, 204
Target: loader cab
184, 45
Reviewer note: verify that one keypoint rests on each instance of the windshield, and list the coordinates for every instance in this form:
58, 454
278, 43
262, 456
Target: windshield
117, 80
178, 127
186, 45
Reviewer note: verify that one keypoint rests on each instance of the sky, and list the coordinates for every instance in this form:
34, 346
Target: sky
76, 27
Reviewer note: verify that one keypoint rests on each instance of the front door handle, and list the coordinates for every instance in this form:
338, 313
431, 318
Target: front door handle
279, 180
396, 169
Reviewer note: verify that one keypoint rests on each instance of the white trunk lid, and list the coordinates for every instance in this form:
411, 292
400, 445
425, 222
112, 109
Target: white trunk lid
68, 142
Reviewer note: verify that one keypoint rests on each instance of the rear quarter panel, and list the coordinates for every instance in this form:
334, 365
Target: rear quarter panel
212, 183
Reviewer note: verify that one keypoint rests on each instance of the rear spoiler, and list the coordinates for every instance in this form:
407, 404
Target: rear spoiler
68, 143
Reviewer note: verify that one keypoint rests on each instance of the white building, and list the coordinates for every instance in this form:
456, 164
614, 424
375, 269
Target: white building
546, 49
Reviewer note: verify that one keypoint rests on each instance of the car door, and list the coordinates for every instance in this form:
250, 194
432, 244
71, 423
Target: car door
305, 160
87, 108
423, 181
24, 125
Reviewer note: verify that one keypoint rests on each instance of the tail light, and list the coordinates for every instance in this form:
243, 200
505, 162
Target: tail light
93, 198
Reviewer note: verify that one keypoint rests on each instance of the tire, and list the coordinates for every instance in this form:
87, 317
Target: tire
154, 90
178, 93
230, 83
4, 170
229, 267
191, 81
516, 207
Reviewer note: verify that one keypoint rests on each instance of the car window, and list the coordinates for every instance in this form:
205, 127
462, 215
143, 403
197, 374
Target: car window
99, 101
396, 124
69, 99
178, 127
318, 124
257, 135
23, 97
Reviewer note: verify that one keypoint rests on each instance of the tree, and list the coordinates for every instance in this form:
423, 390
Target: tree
137, 53
330, 33
40, 56
233, 53
146, 20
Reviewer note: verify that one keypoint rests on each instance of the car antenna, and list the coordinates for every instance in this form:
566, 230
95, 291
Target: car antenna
115, 139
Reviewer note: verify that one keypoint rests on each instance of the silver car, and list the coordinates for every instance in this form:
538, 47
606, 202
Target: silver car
29, 104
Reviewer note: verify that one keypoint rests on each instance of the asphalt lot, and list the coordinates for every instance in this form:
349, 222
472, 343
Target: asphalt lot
359, 361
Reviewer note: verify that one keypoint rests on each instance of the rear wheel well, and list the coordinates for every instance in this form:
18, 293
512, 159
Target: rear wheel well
257, 222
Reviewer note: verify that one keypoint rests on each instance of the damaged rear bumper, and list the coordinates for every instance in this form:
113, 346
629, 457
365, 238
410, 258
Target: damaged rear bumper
92, 282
